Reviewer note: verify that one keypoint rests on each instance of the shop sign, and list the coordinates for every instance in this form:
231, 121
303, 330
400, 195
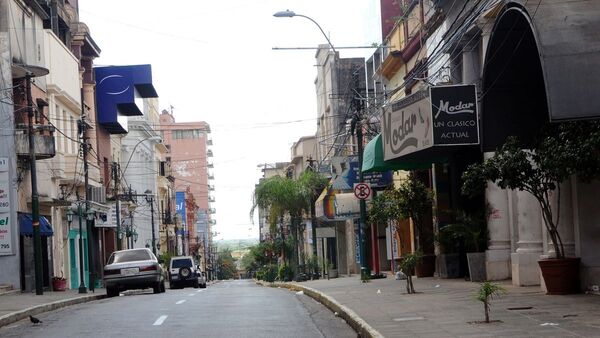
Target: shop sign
407, 126
438, 116
5, 223
454, 115
5, 235
180, 206
348, 174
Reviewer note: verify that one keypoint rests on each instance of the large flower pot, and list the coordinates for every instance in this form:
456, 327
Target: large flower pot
449, 265
59, 284
561, 276
426, 266
477, 271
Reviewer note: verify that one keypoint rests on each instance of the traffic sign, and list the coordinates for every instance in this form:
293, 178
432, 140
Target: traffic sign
362, 191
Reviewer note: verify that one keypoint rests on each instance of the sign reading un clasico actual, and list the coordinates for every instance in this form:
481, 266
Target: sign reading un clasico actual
438, 116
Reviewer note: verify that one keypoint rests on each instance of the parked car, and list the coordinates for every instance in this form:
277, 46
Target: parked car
133, 269
183, 272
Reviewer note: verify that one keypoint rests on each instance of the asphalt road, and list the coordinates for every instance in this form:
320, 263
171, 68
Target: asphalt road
226, 309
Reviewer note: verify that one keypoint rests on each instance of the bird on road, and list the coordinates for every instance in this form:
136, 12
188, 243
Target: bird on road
34, 320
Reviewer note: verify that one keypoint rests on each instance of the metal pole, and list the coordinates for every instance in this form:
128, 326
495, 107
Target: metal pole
152, 224
35, 204
81, 280
117, 204
88, 223
363, 208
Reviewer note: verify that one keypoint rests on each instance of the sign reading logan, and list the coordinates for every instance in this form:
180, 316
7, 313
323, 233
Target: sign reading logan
407, 126
438, 116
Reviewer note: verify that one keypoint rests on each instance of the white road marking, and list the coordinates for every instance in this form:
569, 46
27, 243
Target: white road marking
160, 320
191, 294
199, 290
180, 302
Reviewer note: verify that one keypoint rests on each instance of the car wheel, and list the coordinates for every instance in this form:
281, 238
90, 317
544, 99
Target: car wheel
196, 284
203, 286
162, 286
156, 287
172, 285
112, 292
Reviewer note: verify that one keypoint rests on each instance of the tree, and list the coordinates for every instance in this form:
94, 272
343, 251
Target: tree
487, 291
415, 201
560, 151
226, 265
282, 196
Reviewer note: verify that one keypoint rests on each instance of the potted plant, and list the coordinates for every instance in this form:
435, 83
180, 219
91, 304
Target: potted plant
563, 150
415, 202
468, 233
59, 283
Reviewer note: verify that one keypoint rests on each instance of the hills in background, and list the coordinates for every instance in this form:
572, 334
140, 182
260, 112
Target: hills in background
235, 244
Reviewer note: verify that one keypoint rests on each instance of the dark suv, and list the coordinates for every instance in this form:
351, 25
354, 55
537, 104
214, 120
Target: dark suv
183, 272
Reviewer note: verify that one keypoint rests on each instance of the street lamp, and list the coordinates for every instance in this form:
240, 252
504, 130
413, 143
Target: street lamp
117, 202
151, 138
70, 214
150, 200
290, 14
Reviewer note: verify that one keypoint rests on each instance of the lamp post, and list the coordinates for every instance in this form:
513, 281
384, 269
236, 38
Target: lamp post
290, 14
150, 200
70, 214
116, 177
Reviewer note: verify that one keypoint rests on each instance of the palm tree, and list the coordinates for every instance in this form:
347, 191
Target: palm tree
281, 197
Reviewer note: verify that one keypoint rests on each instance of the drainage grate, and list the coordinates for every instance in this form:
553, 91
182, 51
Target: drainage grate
406, 319
521, 308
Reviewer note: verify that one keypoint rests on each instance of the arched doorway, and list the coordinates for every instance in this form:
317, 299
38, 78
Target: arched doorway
514, 94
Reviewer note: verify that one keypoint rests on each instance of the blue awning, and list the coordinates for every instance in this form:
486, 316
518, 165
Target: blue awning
26, 227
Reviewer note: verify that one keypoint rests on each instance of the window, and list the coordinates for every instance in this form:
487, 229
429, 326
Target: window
129, 256
186, 134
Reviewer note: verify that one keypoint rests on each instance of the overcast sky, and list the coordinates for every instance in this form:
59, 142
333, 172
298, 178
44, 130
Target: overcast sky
213, 61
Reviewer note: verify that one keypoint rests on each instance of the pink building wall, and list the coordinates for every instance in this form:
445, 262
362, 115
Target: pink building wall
188, 159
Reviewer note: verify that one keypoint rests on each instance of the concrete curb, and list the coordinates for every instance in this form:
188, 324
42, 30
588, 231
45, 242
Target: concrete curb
34, 310
362, 328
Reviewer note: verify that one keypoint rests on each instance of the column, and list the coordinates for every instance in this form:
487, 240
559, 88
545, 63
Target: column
497, 256
525, 269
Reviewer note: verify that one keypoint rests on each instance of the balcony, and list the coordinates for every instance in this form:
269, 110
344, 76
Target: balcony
209, 153
209, 142
212, 211
210, 165
44, 146
211, 199
211, 187
211, 176
212, 222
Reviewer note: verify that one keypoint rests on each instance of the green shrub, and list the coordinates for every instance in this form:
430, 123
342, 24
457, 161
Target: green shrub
285, 273
267, 273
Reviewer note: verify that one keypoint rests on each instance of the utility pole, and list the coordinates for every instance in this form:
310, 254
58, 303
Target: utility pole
88, 222
151, 201
116, 177
35, 202
357, 126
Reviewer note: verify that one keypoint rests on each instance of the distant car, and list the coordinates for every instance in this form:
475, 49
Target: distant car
133, 269
183, 272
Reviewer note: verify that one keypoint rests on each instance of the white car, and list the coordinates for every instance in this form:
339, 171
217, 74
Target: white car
133, 269
183, 272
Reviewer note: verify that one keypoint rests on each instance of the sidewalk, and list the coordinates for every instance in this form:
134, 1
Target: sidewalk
15, 306
448, 308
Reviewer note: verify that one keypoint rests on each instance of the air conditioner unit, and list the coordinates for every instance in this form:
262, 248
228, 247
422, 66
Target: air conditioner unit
97, 194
